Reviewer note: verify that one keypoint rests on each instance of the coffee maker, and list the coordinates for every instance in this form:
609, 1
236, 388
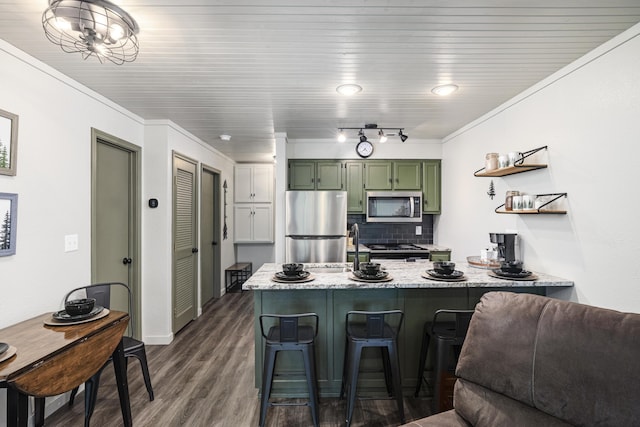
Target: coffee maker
508, 247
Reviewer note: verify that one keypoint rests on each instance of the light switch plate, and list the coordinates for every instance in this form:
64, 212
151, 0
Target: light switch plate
70, 242
418, 230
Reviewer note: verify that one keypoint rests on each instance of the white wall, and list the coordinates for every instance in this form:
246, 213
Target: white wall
589, 116
162, 138
53, 182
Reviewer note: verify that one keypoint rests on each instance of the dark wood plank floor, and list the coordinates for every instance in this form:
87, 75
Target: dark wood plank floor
205, 378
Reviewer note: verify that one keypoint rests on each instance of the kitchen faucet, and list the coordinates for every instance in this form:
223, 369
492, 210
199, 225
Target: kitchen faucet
356, 236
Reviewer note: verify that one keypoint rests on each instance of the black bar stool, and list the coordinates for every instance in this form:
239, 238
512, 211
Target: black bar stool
448, 329
372, 329
287, 334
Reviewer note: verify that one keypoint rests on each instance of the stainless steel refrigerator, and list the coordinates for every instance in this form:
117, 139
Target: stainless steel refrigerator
316, 226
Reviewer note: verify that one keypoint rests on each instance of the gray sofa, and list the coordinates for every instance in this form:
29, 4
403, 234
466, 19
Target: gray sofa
534, 361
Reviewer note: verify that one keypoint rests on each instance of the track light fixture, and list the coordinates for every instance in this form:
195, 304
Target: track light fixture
342, 137
383, 137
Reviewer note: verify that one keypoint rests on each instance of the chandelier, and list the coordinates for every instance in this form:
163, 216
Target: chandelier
92, 27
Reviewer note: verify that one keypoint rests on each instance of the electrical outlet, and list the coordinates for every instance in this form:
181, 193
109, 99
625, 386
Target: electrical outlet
71, 242
418, 230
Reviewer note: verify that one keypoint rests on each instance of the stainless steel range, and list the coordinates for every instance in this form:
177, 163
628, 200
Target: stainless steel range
396, 251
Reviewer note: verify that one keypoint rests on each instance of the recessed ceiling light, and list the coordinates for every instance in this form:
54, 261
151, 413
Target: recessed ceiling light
444, 90
225, 137
348, 89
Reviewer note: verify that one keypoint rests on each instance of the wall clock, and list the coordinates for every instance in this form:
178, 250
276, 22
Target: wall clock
364, 149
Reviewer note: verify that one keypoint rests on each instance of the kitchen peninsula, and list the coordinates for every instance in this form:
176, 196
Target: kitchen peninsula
332, 293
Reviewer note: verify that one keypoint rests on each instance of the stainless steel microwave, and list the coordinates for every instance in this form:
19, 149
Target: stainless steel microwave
394, 206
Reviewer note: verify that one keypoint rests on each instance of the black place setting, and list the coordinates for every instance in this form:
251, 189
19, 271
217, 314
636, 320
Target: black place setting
378, 275
512, 270
292, 276
64, 316
292, 272
445, 271
78, 311
370, 272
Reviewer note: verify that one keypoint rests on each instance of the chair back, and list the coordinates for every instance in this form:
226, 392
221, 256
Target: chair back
459, 318
108, 295
287, 326
378, 324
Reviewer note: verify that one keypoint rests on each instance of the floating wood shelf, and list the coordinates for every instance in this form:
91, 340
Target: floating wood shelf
532, 212
519, 167
539, 211
511, 170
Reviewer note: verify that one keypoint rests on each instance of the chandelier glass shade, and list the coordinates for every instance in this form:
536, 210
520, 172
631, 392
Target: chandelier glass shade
93, 28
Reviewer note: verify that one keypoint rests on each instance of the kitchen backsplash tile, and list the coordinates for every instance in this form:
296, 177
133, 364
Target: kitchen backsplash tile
392, 232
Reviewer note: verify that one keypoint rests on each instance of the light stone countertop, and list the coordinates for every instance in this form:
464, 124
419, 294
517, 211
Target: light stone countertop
405, 275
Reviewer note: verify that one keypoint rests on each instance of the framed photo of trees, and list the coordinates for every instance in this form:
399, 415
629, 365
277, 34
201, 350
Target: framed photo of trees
8, 142
8, 221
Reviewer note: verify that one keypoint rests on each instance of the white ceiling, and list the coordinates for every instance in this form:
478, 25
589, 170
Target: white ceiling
250, 68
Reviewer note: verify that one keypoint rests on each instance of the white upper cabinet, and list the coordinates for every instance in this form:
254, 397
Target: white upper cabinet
253, 209
253, 183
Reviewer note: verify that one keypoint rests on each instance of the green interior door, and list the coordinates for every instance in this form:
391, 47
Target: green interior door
114, 251
209, 237
185, 260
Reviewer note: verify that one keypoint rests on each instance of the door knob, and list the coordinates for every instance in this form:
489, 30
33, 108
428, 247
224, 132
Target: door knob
126, 260
194, 250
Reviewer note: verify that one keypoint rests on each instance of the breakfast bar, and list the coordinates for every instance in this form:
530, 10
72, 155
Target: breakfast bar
331, 290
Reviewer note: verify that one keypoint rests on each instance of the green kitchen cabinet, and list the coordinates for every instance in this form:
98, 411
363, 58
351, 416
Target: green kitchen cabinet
329, 175
362, 256
378, 175
439, 256
393, 175
302, 175
359, 176
431, 186
316, 175
355, 187
407, 175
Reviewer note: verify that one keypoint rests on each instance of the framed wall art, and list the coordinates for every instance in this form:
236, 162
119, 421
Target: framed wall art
8, 143
8, 223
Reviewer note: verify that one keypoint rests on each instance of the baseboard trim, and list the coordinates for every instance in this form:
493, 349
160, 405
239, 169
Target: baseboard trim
158, 339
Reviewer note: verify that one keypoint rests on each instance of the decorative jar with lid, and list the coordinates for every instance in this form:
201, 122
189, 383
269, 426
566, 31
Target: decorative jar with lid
491, 162
508, 201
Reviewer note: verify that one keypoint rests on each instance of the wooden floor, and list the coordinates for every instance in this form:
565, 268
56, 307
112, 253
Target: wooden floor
205, 377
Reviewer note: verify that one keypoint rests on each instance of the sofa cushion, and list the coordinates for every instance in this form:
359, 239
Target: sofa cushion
482, 407
587, 365
499, 347
443, 419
